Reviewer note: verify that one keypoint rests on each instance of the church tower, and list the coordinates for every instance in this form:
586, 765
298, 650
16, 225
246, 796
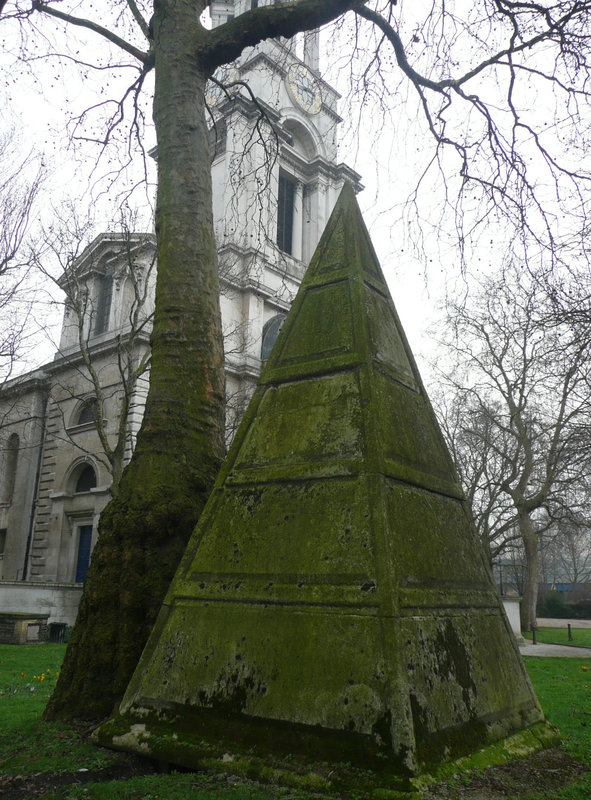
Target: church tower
276, 178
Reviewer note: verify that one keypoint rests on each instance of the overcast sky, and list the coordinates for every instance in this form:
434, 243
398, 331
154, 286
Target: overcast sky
417, 246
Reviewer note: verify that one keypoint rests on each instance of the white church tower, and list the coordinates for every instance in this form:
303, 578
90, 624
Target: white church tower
276, 178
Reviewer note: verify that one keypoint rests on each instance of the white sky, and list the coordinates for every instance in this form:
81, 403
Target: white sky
35, 107
388, 152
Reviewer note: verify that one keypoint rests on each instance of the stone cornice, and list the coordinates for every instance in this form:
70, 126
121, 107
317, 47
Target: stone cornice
86, 263
37, 380
109, 342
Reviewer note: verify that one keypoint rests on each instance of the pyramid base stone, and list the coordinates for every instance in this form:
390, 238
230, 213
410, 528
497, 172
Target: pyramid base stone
296, 756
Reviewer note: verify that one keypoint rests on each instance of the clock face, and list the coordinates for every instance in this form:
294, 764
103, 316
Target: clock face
304, 88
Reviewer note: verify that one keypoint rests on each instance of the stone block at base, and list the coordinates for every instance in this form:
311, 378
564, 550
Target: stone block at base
167, 738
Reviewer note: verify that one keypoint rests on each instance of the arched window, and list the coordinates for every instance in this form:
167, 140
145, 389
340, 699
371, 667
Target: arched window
103, 302
301, 139
86, 480
270, 333
87, 413
10, 463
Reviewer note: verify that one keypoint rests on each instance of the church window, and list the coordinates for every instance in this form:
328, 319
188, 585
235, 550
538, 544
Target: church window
254, 3
300, 139
86, 480
103, 304
87, 413
270, 333
10, 463
285, 209
217, 139
2, 542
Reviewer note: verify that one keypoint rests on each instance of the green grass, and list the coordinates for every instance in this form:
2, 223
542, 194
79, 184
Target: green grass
29, 746
176, 786
581, 636
27, 677
563, 686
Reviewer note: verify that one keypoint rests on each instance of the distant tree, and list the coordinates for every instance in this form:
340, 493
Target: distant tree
21, 178
60, 253
474, 442
497, 140
566, 550
519, 394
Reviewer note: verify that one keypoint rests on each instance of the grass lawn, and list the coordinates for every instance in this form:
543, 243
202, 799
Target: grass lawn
581, 636
29, 746
27, 677
563, 686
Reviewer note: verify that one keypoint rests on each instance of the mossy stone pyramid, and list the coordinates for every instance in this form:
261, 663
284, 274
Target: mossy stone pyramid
334, 600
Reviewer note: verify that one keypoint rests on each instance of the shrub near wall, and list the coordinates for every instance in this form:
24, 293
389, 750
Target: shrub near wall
552, 605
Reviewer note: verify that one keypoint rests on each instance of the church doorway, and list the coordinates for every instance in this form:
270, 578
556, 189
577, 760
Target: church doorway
84, 548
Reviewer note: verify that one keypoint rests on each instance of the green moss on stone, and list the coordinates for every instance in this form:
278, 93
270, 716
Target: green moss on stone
334, 601
167, 734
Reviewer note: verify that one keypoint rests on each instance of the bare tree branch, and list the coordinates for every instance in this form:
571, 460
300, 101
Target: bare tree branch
520, 395
139, 18
145, 57
226, 42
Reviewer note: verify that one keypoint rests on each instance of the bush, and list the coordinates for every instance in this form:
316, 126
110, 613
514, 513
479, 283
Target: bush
582, 609
552, 605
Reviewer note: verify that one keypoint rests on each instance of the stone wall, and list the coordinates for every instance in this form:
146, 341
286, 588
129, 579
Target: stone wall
23, 628
57, 601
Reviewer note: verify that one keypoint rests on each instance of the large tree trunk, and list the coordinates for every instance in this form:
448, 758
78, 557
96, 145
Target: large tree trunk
144, 530
532, 572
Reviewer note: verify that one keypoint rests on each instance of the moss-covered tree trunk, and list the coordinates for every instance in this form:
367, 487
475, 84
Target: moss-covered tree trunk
143, 531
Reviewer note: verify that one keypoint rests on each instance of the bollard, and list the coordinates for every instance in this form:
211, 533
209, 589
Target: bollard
570, 636
533, 633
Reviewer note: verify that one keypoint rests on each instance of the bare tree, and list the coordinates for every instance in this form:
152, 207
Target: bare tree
475, 446
20, 181
500, 151
86, 276
520, 392
566, 554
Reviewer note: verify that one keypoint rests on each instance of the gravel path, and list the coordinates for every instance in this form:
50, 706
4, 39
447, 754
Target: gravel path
562, 623
554, 651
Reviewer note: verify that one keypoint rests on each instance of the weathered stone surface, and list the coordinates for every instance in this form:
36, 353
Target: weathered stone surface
334, 599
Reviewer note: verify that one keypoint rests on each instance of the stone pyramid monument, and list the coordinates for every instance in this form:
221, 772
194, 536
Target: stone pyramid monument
334, 600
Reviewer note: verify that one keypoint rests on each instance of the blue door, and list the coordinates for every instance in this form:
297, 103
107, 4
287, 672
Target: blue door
84, 542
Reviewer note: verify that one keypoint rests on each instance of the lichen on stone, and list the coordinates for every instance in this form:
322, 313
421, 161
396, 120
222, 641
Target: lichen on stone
334, 602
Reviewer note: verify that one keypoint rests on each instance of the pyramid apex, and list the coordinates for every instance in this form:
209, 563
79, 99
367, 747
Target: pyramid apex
343, 314
347, 194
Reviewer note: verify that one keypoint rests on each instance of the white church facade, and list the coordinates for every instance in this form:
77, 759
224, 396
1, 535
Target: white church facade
276, 177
